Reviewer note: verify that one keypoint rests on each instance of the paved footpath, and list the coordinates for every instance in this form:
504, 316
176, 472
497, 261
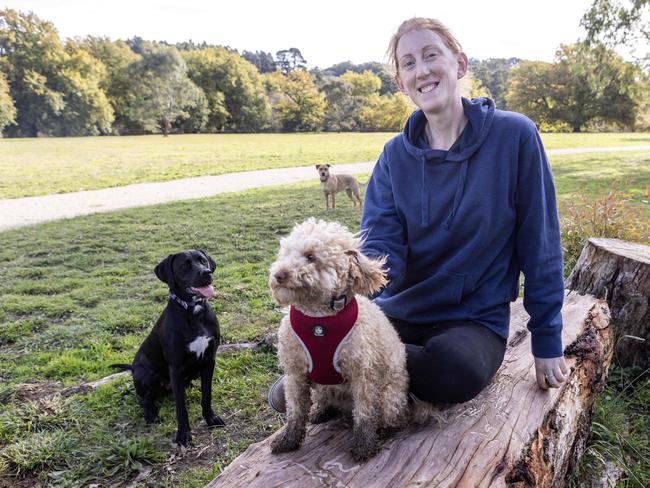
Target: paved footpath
20, 212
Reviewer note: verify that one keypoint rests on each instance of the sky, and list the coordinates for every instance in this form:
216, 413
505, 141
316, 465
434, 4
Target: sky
326, 32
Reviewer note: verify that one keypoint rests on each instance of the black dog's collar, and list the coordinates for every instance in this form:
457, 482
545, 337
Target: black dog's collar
192, 304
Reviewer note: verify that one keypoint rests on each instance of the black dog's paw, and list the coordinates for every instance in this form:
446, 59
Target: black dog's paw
286, 441
151, 418
321, 416
183, 438
213, 420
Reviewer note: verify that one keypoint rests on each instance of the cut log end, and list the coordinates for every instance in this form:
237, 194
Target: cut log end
619, 272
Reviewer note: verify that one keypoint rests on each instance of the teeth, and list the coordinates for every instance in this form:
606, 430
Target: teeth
428, 88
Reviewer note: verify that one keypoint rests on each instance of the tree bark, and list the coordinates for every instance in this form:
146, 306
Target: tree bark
512, 434
619, 272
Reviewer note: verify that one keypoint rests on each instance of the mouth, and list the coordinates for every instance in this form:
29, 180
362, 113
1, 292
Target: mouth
428, 88
206, 291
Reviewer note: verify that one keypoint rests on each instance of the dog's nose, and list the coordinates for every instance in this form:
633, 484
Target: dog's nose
206, 274
280, 276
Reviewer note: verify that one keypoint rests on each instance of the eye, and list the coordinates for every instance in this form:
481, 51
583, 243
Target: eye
431, 55
310, 257
186, 265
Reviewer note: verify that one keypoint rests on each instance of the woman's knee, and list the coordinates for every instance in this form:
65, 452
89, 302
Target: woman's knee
449, 377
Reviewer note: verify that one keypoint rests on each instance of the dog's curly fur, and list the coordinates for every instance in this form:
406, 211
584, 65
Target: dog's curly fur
317, 261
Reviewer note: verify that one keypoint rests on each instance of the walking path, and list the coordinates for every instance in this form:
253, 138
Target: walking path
20, 212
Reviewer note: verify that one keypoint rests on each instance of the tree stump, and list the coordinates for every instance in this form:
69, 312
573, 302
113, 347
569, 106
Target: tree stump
512, 434
619, 272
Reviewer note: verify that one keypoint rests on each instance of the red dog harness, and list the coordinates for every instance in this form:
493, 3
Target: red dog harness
321, 338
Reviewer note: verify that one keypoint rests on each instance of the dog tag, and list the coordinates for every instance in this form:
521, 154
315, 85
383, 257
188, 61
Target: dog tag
318, 330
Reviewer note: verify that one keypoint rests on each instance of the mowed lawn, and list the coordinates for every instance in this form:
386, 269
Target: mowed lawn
30, 167
80, 294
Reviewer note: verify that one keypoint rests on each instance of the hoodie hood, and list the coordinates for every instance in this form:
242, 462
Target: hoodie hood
479, 113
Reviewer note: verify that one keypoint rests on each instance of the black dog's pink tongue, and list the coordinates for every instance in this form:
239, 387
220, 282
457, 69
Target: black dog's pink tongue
206, 291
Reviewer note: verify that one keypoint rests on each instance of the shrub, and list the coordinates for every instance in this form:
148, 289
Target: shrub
613, 215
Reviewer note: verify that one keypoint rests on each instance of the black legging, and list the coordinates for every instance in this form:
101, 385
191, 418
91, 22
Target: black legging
450, 362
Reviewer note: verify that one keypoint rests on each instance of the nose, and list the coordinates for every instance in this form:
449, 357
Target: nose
423, 70
280, 276
206, 274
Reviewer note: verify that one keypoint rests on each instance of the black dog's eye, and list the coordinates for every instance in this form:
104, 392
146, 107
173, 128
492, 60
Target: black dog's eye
185, 265
310, 257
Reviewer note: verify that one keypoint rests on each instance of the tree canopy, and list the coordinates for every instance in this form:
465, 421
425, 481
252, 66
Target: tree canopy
585, 84
55, 88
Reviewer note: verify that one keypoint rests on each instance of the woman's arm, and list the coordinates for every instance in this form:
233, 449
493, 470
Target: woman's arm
539, 251
383, 230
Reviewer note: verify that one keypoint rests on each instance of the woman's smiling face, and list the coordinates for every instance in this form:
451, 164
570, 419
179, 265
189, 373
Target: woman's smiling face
428, 71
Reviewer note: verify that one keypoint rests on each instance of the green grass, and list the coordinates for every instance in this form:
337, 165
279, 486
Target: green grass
620, 430
31, 167
80, 294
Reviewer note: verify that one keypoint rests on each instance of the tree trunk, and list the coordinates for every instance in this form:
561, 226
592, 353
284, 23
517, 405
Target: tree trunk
619, 272
512, 434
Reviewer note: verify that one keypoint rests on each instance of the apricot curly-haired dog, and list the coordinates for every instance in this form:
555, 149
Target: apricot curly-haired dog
321, 272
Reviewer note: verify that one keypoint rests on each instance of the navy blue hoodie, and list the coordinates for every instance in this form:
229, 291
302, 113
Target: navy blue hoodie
458, 226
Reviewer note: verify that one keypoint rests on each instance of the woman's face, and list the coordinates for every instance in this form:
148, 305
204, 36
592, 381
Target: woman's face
428, 71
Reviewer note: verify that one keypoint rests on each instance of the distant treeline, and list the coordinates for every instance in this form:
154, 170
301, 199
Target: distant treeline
94, 85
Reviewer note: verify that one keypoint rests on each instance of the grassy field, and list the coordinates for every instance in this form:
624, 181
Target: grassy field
31, 167
80, 294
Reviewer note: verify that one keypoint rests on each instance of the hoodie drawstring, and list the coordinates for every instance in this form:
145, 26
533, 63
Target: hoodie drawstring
462, 176
425, 194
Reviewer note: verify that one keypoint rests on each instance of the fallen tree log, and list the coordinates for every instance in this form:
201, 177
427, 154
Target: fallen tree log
619, 272
512, 434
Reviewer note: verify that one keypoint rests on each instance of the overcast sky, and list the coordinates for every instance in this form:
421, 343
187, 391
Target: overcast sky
327, 31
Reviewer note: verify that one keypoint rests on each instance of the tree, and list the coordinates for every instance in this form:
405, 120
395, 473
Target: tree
233, 88
117, 84
296, 102
163, 92
289, 60
533, 92
587, 83
55, 88
471, 87
363, 84
596, 83
494, 75
262, 61
7, 108
381, 70
342, 113
614, 22
385, 113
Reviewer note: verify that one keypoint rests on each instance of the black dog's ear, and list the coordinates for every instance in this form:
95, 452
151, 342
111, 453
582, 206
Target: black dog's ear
164, 270
213, 265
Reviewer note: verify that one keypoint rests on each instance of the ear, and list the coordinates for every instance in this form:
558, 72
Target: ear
164, 270
400, 85
463, 64
317, 166
213, 265
368, 275
328, 165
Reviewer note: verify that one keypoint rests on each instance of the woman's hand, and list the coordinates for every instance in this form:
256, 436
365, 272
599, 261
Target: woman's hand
550, 372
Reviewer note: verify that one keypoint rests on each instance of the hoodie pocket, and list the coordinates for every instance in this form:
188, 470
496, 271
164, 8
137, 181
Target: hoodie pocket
445, 288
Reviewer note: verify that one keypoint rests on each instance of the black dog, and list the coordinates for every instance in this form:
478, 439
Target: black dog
183, 343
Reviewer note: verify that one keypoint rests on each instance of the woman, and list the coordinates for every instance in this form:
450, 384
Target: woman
461, 202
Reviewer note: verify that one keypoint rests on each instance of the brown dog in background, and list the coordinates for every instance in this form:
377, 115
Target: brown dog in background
331, 184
